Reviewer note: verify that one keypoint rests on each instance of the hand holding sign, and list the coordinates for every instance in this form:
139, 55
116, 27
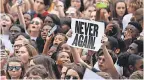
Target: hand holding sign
69, 33
86, 34
104, 40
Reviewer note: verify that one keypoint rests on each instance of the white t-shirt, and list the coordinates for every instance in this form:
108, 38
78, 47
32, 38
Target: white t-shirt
6, 42
126, 20
118, 68
33, 38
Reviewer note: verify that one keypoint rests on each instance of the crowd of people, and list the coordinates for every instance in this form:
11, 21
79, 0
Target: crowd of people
30, 50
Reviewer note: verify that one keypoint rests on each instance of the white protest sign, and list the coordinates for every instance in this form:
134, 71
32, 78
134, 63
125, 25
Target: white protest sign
86, 34
90, 75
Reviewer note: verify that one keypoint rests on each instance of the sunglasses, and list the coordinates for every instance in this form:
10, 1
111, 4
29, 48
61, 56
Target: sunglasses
71, 14
70, 77
35, 22
10, 68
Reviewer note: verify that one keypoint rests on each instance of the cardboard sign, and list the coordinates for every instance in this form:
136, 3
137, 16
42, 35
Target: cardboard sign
90, 75
86, 34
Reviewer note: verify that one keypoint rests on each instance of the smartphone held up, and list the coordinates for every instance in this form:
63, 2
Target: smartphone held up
52, 31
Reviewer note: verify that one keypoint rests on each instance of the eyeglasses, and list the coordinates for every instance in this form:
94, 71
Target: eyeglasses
35, 22
18, 46
70, 77
10, 68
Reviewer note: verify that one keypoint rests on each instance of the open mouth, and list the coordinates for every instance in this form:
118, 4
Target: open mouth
3, 25
55, 43
33, 27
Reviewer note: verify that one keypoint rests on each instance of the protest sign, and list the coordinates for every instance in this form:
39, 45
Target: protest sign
90, 75
86, 34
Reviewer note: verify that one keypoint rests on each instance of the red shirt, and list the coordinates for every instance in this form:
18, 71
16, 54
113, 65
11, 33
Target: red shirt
43, 14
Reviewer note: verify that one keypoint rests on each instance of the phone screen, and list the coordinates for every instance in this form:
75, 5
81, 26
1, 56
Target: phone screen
20, 2
52, 30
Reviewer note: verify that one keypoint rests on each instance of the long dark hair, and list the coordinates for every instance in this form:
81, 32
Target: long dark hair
15, 59
38, 70
48, 63
79, 68
125, 60
115, 15
68, 4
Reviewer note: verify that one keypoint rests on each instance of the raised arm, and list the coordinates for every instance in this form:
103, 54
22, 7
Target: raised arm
47, 45
31, 2
3, 6
60, 9
21, 17
108, 60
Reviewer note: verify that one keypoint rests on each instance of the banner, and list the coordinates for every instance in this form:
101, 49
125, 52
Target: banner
86, 34
90, 75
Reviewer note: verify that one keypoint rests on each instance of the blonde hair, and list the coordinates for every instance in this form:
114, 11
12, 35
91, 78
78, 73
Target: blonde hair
31, 50
134, 5
104, 75
136, 75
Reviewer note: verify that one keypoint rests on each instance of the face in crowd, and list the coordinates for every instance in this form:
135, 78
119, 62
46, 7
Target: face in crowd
71, 12
138, 65
58, 39
15, 68
39, 6
65, 48
27, 19
72, 74
23, 54
120, 8
40, 71
35, 25
5, 23
130, 32
104, 14
101, 63
44, 31
26, 52
76, 4
17, 45
93, 15
60, 5
14, 30
88, 11
48, 21
133, 48
63, 58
